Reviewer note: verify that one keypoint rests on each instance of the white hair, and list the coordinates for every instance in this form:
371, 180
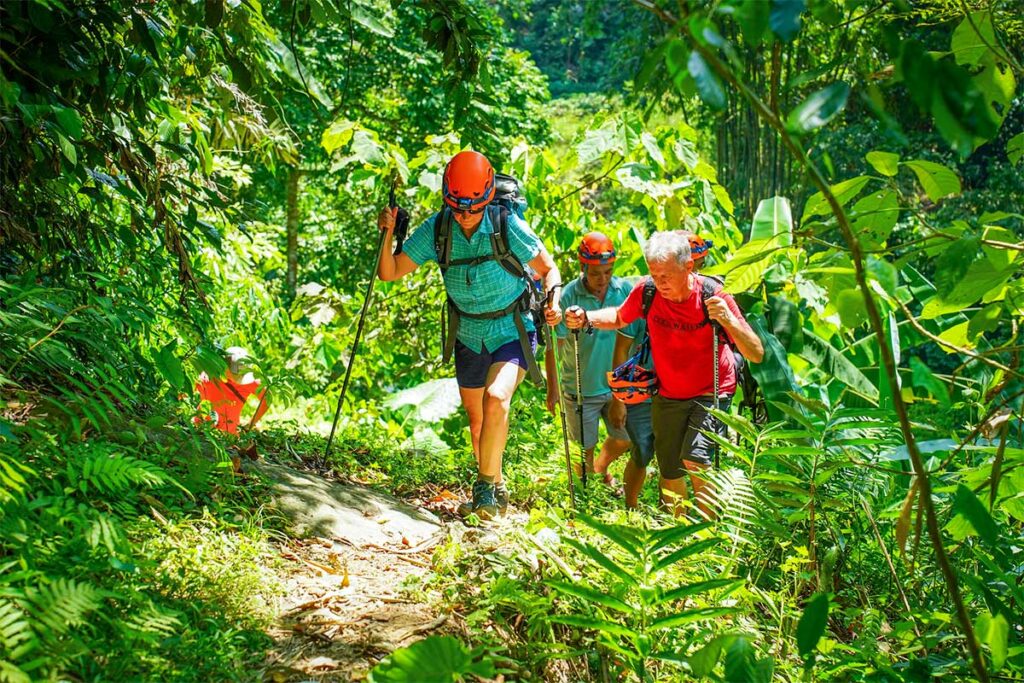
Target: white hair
667, 246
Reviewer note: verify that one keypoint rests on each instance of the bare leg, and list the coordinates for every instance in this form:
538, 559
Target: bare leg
502, 380
473, 402
611, 449
634, 477
674, 490
703, 491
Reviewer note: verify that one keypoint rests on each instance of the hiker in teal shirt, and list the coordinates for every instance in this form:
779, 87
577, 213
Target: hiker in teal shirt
495, 337
596, 288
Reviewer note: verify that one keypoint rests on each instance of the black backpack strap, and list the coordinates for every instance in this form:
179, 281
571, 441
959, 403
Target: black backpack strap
648, 297
443, 238
499, 242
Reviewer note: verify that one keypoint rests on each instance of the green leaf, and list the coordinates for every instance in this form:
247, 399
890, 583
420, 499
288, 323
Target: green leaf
972, 38
923, 377
703, 661
594, 624
773, 217
683, 553
994, 631
67, 148
366, 149
169, 365
967, 504
812, 624
937, 180
592, 596
753, 20
818, 109
885, 163
832, 362
69, 121
673, 534
742, 665
874, 216
364, 18
435, 658
338, 135
981, 280
1015, 148
845, 191
784, 18
699, 587
602, 560
691, 615
708, 86
622, 536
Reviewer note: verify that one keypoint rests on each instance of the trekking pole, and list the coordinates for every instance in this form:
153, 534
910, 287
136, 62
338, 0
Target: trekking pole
714, 353
359, 329
561, 411
579, 405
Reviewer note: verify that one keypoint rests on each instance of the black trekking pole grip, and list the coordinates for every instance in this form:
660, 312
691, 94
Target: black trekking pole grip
359, 332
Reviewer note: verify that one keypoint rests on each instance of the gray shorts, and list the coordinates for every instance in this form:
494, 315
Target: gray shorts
641, 432
594, 408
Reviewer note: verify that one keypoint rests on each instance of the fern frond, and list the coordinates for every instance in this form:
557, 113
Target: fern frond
731, 497
9, 673
114, 473
16, 634
61, 605
152, 622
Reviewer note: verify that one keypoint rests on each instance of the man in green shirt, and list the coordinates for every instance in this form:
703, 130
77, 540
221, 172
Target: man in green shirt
596, 288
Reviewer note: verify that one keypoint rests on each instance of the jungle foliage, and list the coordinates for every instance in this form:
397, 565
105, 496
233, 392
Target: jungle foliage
178, 177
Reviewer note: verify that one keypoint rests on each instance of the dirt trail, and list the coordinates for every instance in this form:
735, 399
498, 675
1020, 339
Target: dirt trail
344, 607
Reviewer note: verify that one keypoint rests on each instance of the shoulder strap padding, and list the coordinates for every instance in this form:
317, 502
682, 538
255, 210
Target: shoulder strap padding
443, 237
648, 296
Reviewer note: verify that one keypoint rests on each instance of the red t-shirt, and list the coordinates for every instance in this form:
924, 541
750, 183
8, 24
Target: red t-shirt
681, 343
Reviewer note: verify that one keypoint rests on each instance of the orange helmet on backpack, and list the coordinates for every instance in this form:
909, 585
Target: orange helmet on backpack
699, 247
468, 181
596, 249
631, 383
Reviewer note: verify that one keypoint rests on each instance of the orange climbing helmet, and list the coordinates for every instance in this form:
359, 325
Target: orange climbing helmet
631, 382
699, 247
468, 182
596, 249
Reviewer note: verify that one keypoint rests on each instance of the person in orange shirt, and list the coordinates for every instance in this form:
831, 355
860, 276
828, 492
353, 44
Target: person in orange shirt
228, 396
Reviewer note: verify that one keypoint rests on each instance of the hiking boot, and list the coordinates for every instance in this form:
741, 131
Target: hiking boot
483, 504
501, 497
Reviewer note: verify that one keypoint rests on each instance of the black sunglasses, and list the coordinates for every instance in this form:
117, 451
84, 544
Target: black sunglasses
471, 212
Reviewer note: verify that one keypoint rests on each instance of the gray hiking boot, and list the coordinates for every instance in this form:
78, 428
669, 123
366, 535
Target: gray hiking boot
501, 497
483, 504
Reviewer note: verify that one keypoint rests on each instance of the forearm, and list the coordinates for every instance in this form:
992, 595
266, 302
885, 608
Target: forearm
605, 318
388, 267
621, 353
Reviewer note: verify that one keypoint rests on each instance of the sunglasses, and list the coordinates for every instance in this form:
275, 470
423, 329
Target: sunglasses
470, 212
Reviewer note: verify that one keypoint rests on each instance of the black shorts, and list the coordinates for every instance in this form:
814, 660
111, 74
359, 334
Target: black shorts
471, 367
678, 426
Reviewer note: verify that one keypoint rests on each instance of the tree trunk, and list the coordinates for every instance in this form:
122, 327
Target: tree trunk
292, 229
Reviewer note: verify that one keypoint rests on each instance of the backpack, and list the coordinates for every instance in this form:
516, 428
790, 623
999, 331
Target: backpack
709, 286
507, 198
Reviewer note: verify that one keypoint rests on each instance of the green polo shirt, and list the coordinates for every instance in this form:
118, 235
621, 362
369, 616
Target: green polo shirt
596, 349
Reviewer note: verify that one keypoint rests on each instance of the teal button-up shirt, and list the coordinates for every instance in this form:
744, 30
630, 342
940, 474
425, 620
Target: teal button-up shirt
597, 349
484, 287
